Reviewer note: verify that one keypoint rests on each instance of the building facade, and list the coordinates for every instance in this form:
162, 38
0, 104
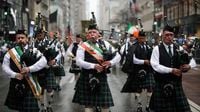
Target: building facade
184, 15
78, 14
146, 14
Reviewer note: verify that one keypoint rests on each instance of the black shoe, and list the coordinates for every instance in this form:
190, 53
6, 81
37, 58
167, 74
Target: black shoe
58, 88
43, 110
49, 109
97, 109
139, 109
148, 109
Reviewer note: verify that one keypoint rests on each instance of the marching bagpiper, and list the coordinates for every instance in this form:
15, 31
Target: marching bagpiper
92, 89
47, 75
168, 95
71, 53
20, 64
137, 66
58, 67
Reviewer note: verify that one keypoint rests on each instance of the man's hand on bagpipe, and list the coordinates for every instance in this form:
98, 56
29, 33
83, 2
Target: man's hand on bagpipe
23, 73
19, 76
25, 70
106, 64
185, 67
99, 68
103, 67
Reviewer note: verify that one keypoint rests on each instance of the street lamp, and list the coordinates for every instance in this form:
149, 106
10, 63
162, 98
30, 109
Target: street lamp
32, 22
5, 13
154, 26
155, 22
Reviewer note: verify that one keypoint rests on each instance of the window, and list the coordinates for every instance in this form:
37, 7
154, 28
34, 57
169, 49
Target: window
169, 13
198, 9
185, 4
176, 12
191, 7
180, 10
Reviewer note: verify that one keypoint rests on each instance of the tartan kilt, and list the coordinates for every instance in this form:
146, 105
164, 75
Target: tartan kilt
27, 104
30, 103
133, 84
178, 103
83, 95
50, 80
59, 71
41, 77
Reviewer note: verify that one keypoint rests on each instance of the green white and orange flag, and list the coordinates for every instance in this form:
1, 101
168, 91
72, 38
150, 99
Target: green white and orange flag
133, 30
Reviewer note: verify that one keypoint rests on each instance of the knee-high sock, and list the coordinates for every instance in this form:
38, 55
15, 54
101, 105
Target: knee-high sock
50, 98
42, 102
138, 98
58, 79
77, 75
148, 98
104, 110
88, 110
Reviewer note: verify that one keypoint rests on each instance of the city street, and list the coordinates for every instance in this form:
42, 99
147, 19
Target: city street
123, 102
57, 28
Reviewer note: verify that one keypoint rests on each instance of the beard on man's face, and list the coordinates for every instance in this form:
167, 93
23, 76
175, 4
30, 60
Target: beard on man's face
22, 43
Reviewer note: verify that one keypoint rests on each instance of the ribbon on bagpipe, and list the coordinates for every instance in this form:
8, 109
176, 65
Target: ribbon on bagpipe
15, 55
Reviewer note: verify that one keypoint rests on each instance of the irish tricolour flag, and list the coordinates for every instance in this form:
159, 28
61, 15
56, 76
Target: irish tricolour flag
134, 30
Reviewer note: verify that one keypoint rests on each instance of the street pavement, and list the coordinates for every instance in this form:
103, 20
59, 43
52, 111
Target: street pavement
191, 85
124, 102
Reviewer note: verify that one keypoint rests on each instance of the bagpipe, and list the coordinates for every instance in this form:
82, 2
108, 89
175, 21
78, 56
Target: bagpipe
45, 46
107, 53
29, 57
50, 52
93, 20
183, 57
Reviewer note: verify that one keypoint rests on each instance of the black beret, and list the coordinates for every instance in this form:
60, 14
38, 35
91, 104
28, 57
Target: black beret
78, 36
21, 32
168, 28
92, 26
142, 33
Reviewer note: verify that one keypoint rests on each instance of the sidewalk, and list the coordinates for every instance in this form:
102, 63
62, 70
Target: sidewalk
194, 107
191, 85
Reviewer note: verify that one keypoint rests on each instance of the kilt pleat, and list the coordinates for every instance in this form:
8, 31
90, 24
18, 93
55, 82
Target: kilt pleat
84, 97
134, 84
177, 103
26, 104
50, 80
30, 103
12, 101
59, 71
